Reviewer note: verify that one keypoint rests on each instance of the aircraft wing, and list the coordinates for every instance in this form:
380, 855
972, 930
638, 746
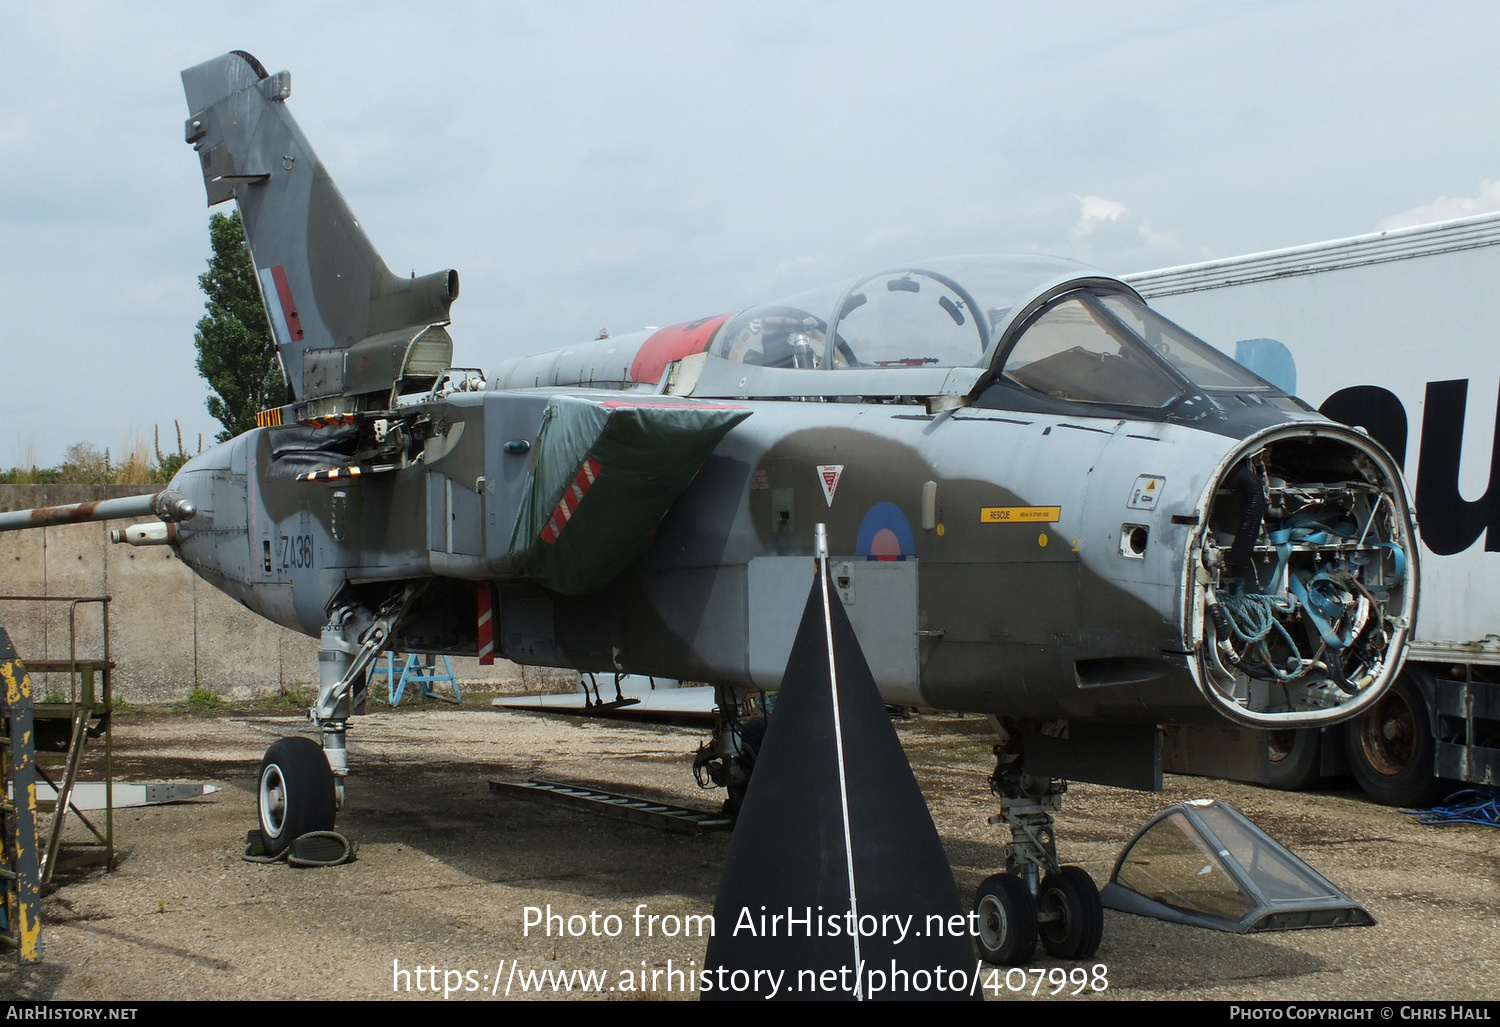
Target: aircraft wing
636, 697
604, 473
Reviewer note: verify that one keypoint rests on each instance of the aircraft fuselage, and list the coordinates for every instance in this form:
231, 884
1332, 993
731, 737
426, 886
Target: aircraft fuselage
1034, 565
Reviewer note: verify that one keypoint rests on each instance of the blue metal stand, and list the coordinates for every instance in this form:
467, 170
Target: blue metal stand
422, 670
416, 670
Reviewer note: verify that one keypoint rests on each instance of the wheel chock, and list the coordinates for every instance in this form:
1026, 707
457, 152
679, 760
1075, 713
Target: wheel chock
314, 849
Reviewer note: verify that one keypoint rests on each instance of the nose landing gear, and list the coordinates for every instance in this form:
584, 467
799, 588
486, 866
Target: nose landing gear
1007, 920
296, 793
1036, 897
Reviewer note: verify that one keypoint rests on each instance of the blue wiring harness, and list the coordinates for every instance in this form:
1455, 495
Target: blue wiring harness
1469, 806
1321, 596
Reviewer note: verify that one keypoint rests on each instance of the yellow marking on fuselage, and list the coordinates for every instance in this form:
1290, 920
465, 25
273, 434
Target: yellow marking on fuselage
1019, 514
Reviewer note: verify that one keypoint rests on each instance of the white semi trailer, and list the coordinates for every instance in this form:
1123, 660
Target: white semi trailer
1398, 332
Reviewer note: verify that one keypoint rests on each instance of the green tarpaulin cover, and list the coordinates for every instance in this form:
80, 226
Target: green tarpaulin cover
605, 472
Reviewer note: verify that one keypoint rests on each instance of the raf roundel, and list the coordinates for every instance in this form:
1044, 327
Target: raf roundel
885, 534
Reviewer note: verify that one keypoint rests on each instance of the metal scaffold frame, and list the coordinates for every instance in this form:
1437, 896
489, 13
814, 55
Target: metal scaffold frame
85, 715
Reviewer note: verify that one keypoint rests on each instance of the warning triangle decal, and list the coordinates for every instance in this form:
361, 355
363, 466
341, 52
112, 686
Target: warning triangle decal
828, 477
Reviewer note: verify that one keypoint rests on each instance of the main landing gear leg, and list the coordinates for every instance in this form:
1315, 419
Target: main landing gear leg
728, 758
1035, 896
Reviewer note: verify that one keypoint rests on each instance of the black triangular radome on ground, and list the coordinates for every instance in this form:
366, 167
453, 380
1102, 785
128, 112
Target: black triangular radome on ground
788, 859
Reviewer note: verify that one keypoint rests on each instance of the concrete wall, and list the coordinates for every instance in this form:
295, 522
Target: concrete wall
168, 629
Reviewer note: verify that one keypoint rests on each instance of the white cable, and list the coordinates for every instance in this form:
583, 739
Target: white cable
820, 544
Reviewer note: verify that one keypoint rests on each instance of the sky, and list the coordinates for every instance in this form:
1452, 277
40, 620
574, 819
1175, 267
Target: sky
614, 165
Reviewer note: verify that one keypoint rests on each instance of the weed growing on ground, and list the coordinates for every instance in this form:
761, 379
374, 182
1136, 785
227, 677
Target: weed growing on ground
201, 700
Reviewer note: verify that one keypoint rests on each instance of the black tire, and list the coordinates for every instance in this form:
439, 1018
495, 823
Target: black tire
1007, 920
752, 735
296, 793
1072, 917
1289, 760
1390, 748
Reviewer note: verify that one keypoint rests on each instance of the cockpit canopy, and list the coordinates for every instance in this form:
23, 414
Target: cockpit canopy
1039, 323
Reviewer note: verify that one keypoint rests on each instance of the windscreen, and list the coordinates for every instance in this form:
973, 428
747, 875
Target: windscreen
1109, 348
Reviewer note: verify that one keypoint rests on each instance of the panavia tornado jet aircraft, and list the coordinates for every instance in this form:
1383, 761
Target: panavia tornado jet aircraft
1043, 501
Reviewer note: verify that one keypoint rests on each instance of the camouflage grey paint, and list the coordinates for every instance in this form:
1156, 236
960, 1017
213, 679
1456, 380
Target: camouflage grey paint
1061, 557
1046, 620
1036, 620
350, 325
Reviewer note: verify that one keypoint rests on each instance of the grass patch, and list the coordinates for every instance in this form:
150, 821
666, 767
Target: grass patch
124, 707
201, 700
289, 697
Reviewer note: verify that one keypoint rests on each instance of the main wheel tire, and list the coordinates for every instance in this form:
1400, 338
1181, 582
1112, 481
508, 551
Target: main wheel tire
752, 735
1072, 917
1390, 748
1289, 760
296, 793
1007, 920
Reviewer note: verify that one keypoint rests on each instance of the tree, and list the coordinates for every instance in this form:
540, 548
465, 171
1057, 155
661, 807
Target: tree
236, 353
168, 464
85, 464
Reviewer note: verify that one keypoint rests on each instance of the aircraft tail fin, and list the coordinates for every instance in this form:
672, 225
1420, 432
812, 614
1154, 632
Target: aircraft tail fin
350, 334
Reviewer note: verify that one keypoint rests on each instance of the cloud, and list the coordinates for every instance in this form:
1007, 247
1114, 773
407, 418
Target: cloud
1155, 240
1445, 207
1094, 211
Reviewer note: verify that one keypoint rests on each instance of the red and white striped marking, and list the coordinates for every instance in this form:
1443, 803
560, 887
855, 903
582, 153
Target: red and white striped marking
571, 497
486, 625
278, 294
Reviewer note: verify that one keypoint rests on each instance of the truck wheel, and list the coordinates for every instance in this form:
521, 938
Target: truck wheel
1289, 760
1391, 746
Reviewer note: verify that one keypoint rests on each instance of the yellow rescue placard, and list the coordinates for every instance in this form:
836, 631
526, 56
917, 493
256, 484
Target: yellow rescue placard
1019, 514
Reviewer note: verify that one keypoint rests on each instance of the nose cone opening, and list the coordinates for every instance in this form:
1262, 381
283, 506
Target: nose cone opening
1304, 578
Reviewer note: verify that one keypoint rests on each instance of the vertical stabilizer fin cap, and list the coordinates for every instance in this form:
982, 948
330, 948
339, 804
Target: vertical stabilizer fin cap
345, 326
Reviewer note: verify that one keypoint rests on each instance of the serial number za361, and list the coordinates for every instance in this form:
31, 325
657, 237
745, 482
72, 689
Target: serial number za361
1055, 980
296, 551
